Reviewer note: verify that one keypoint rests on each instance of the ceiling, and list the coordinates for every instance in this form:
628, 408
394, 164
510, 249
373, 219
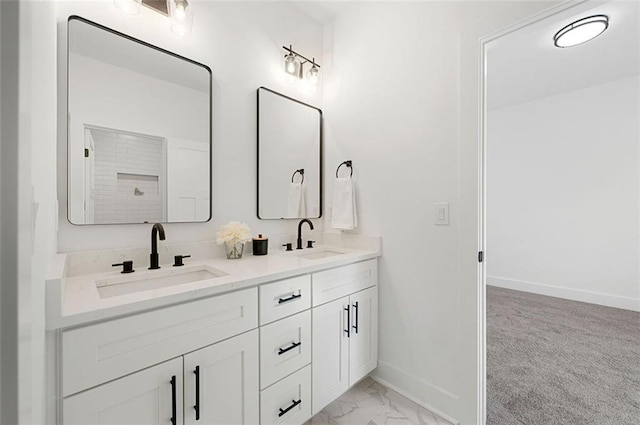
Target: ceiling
322, 12
525, 65
522, 66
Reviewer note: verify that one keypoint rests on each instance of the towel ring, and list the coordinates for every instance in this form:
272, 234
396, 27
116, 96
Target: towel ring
348, 164
301, 171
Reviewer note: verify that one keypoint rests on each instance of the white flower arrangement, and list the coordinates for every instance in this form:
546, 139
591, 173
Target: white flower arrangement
233, 232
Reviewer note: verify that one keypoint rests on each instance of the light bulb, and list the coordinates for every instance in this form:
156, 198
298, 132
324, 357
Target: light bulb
291, 64
180, 12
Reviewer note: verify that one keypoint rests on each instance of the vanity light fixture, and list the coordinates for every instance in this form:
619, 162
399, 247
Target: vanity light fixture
294, 66
130, 7
581, 31
180, 12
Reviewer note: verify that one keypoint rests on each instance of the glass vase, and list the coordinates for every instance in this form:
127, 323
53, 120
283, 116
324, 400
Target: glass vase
234, 250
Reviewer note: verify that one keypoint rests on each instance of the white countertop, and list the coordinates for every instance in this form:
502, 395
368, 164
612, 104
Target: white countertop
74, 300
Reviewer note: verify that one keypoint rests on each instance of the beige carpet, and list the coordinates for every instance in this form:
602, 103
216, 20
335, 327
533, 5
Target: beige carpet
552, 361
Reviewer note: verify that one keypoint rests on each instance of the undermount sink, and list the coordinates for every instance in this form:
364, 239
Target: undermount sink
321, 253
154, 279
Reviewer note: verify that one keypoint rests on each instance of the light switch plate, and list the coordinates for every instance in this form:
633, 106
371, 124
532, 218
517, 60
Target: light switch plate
441, 213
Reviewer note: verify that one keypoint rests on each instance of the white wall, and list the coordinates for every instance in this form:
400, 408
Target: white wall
242, 43
401, 100
563, 195
36, 202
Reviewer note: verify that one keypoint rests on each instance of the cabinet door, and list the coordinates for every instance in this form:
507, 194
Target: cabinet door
330, 352
147, 397
363, 343
221, 382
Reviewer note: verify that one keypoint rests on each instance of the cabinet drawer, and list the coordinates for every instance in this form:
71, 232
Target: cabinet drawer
105, 351
288, 401
329, 285
284, 298
285, 346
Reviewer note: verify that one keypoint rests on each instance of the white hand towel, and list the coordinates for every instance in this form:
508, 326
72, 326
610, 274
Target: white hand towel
344, 214
296, 204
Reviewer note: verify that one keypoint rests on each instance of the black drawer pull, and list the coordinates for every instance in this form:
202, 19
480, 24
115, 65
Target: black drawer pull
291, 298
294, 404
173, 401
291, 347
197, 405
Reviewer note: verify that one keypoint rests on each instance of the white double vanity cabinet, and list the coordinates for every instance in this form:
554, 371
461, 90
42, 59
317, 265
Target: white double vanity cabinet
259, 340
274, 352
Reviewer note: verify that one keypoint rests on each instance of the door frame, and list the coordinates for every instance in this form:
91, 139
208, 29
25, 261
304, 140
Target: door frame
483, 46
89, 179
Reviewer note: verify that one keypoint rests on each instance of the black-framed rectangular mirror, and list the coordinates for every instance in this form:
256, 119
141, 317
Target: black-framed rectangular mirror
139, 130
289, 157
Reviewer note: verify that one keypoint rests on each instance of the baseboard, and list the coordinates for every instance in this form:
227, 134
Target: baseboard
386, 372
626, 303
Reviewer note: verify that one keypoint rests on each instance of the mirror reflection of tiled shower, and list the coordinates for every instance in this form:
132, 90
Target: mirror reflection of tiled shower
125, 177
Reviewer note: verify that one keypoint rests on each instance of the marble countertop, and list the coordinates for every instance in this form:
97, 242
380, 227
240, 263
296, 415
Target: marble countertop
73, 300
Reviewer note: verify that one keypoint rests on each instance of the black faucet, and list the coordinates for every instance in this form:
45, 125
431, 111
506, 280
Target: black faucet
153, 258
304, 220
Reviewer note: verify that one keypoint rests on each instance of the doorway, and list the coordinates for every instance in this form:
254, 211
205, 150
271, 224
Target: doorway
561, 215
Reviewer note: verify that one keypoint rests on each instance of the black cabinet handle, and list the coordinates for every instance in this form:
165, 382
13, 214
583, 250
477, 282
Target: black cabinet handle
291, 298
197, 405
348, 330
293, 345
293, 404
173, 400
355, 312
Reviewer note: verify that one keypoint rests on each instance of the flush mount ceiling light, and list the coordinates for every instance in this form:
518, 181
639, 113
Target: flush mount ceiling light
180, 12
294, 66
581, 31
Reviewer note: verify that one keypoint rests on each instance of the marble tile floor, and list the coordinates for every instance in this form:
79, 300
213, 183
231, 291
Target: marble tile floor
370, 403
